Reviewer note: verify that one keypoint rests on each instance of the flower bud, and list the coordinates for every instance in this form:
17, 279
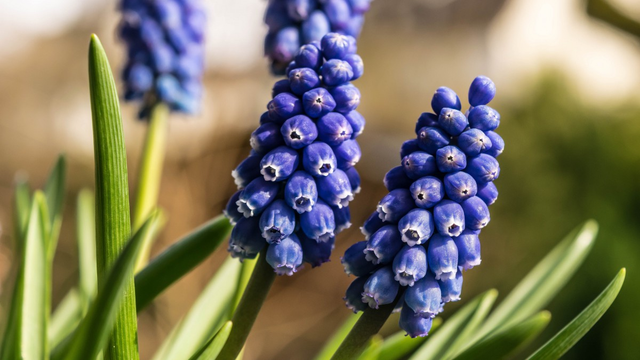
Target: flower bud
318, 159
303, 79
459, 186
452, 121
483, 168
430, 139
468, 245
316, 253
445, 98
231, 210
356, 121
277, 222
342, 218
248, 170
450, 158
410, 265
488, 193
357, 65
476, 213
246, 241
473, 141
284, 106
419, 164
266, 138
380, 288
371, 225
383, 245
353, 296
395, 205
442, 257
335, 188
333, 129
424, 298
319, 223
334, 46
484, 118
416, 227
347, 154
354, 261
451, 288
300, 192
286, 256
279, 163
396, 178
257, 196
354, 179
448, 217
415, 326
426, 120
347, 98
318, 102
481, 91
299, 131
427, 191
315, 27
498, 146
336, 72
409, 147
309, 56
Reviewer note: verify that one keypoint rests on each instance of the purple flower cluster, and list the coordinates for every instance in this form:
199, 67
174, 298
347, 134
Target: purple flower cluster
296, 185
165, 53
425, 230
293, 23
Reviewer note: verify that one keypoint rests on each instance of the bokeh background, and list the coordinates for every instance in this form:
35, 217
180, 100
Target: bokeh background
568, 91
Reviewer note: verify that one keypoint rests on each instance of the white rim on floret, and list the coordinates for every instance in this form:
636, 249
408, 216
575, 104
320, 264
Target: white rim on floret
343, 199
383, 212
284, 269
411, 242
371, 255
270, 172
405, 278
343, 227
471, 264
303, 204
245, 208
236, 178
325, 237
444, 273
370, 299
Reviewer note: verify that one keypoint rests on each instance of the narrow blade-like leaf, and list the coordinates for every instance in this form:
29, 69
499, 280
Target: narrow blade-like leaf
205, 317
54, 191
544, 281
463, 322
113, 226
179, 259
372, 351
66, 318
86, 239
93, 332
213, 347
21, 207
581, 324
32, 329
399, 345
507, 342
338, 337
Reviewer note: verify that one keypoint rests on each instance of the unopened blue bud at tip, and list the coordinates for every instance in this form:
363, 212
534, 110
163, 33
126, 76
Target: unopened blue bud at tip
448, 217
483, 168
309, 56
286, 256
488, 193
266, 138
450, 158
409, 147
248, 170
334, 46
357, 65
410, 265
347, 154
337, 12
371, 225
357, 122
354, 179
498, 142
342, 217
419, 164
484, 118
334, 129
442, 257
318, 102
380, 288
336, 72
284, 106
347, 98
445, 98
473, 141
452, 121
482, 91
426, 119
315, 27
302, 80
277, 222
430, 139
231, 210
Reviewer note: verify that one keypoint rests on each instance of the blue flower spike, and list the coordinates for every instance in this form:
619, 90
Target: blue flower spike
297, 182
165, 48
425, 231
298, 22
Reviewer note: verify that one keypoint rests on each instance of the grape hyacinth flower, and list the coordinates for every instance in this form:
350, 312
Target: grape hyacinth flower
297, 182
165, 53
296, 23
425, 231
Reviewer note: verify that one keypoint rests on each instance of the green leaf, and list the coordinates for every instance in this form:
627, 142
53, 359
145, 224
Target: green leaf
113, 226
205, 317
372, 351
54, 191
179, 259
544, 281
507, 342
32, 324
245, 274
581, 324
399, 345
338, 337
463, 322
150, 173
86, 239
143, 258
22, 205
93, 332
66, 318
213, 347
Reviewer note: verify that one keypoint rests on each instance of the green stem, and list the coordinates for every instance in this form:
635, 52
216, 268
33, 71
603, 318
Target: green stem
367, 326
249, 307
113, 221
150, 173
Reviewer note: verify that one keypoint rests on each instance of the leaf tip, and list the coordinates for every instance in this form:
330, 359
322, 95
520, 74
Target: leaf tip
544, 316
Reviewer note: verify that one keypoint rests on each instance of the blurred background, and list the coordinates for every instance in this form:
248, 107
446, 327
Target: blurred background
568, 91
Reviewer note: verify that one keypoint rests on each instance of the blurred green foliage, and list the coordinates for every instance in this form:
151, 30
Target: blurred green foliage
568, 160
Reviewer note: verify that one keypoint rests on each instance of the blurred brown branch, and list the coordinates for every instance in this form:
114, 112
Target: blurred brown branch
602, 10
